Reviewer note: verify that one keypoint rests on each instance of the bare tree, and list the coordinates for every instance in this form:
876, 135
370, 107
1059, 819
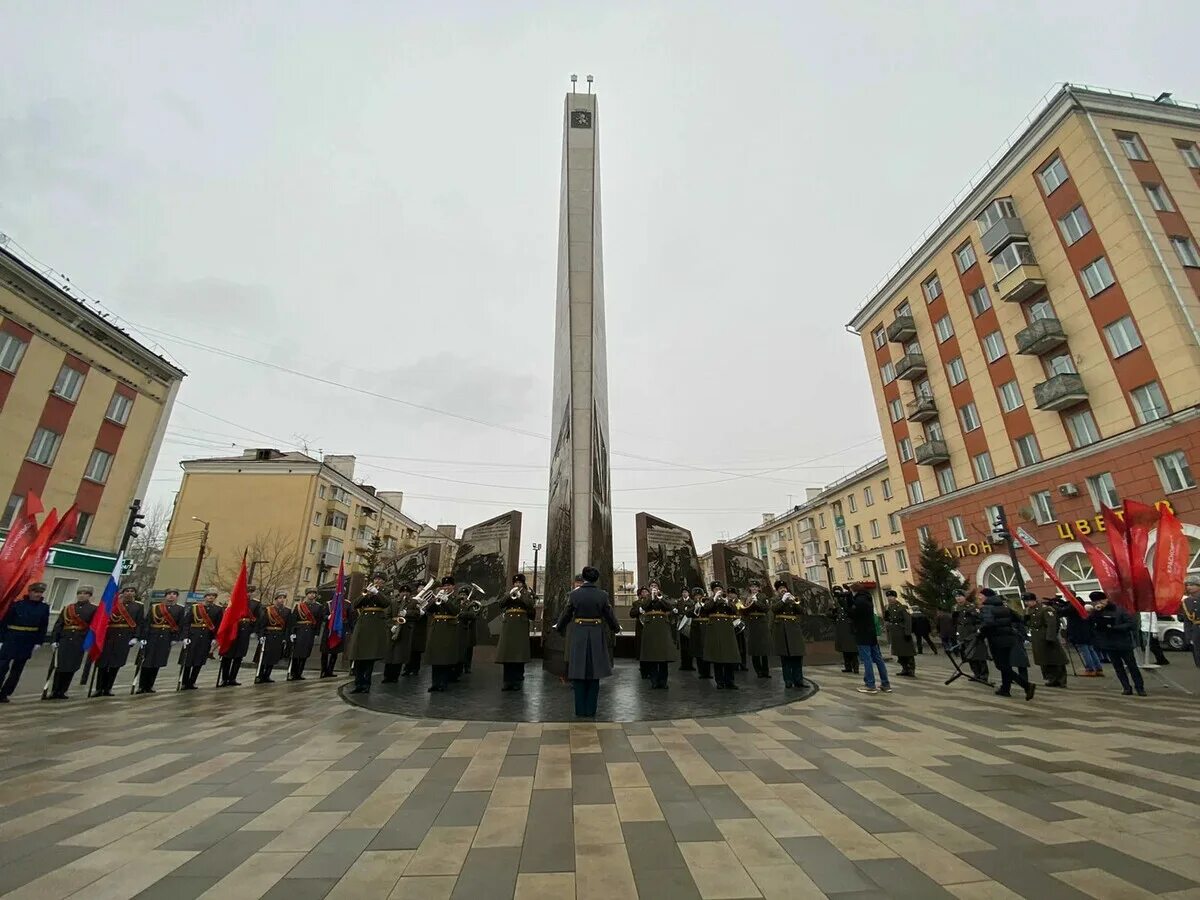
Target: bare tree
273, 558
145, 549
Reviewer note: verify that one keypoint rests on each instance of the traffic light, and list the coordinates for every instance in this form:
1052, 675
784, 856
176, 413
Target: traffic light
1000, 533
137, 521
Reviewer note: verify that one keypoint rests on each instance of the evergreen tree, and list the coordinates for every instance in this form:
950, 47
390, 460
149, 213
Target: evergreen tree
937, 579
371, 556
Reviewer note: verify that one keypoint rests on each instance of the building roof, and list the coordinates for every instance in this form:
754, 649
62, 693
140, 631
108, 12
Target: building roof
1049, 113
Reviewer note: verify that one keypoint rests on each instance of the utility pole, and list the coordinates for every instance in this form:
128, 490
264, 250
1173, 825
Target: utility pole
200, 555
536, 549
1001, 533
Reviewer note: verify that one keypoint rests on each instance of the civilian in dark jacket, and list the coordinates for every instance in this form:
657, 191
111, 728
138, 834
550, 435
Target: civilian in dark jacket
862, 620
1001, 628
22, 630
1114, 629
843, 631
1081, 636
922, 628
588, 609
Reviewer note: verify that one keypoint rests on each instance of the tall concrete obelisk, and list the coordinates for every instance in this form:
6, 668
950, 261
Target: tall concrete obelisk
579, 519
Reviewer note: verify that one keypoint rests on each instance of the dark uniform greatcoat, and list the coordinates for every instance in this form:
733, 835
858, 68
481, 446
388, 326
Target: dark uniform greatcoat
247, 626
699, 628
162, 627
24, 628
786, 633
587, 611
442, 645
900, 630
1043, 631
758, 626
401, 636
273, 628
306, 625
658, 644
720, 639
843, 629
69, 632
518, 612
200, 624
968, 629
124, 625
467, 637
372, 633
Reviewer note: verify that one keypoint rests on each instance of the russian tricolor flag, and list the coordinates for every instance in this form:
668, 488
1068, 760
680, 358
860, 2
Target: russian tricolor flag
93, 644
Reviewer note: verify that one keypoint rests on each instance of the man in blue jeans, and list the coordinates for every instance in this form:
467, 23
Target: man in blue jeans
862, 618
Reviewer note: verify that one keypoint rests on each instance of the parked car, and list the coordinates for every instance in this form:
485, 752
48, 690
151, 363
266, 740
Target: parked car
1171, 633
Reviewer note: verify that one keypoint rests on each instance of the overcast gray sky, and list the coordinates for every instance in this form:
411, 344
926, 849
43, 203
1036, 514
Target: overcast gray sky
368, 192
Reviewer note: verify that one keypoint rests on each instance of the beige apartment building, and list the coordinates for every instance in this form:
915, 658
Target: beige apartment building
1039, 349
294, 516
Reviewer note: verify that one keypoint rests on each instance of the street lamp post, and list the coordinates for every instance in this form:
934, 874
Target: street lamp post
200, 555
536, 549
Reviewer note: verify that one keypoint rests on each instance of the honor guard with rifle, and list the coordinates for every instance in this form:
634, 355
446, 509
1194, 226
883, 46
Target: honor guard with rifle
443, 648
657, 649
22, 630
274, 626
372, 633
683, 630
163, 627
787, 636
720, 637
67, 637
403, 615
231, 660
699, 634
124, 631
899, 622
306, 626
514, 649
755, 613
200, 624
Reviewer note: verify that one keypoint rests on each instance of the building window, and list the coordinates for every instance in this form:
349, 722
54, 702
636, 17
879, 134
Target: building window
969, 416
874, 528
865, 568
1122, 337
1039, 309
894, 523
868, 496
44, 446
83, 527
10, 510
1053, 175
991, 516
1062, 364
1190, 152
956, 372
993, 346
878, 337
1185, 249
932, 288
881, 563
1151, 406
1103, 491
916, 494
852, 501
887, 372
1082, 428
336, 520
312, 545
1075, 224
1043, 508
903, 310
886, 484
901, 559
12, 348
945, 480
321, 492
1010, 396
958, 532
923, 535
933, 430
98, 466
308, 573
821, 522
895, 409
980, 300
1131, 145
964, 257
1011, 257
858, 534
904, 447
1097, 276
849, 571
1159, 198
118, 409
68, 383
983, 466
317, 519
944, 329
1027, 449
1174, 471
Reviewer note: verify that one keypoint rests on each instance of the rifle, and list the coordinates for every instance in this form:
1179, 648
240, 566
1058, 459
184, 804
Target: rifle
50, 673
184, 651
137, 669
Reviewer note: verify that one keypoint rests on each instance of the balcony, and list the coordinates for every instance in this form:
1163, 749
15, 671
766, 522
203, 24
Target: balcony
1059, 392
932, 453
1001, 233
902, 329
329, 560
911, 367
1042, 336
922, 409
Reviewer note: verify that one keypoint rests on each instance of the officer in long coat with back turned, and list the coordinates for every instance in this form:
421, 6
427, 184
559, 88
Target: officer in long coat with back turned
658, 644
372, 633
400, 634
756, 615
200, 624
787, 635
162, 628
513, 651
274, 626
442, 649
124, 632
900, 634
588, 611
67, 636
306, 626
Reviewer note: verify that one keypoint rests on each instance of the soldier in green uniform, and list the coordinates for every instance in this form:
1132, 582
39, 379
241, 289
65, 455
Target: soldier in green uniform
273, 627
514, 651
635, 613
973, 647
900, 634
788, 636
403, 614
420, 637
124, 630
683, 630
443, 648
755, 614
200, 624
1042, 618
67, 636
658, 645
699, 632
720, 637
468, 617
843, 630
162, 628
372, 633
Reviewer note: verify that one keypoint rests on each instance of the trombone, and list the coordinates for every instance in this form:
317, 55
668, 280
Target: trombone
472, 607
421, 597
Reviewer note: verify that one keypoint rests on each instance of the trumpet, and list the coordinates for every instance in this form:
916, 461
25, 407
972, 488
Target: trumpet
514, 594
421, 597
398, 623
718, 595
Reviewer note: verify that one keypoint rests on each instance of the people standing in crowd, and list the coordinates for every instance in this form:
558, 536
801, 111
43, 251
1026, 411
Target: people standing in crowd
67, 637
587, 610
1114, 628
200, 624
124, 630
273, 628
899, 622
1048, 653
443, 648
372, 633
922, 629
514, 649
1003, 629
162, 629
231, 659
862, 618
684, 622
657, 649
787, 636
720, 637
973, 650
1081, 636
844, 641
22, 630
700, 632
1190, 611
306, 626
758, 630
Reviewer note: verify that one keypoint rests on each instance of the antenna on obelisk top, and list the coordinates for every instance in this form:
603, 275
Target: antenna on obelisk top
574, 78
589, 81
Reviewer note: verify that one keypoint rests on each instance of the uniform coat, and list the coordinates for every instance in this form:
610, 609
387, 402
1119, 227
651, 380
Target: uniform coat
518, 612
372, 633
900, 629
69, 632
306, 625
1043, 631
442, 647
786, 633
23, 628
162, 627
968, 629
200, 624
758, 626
720, 639
402, 640
587, 611
658, 644
247, 626
273, 629
124, 625
843, 628
698, 630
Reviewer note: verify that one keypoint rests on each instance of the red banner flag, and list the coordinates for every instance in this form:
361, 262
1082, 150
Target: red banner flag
63, 531
1114, 524
37, 549
1139, 519
1171, 554
239, 605
1067, 593
1106, 572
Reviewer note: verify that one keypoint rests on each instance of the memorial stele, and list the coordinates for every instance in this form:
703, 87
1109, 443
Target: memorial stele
579, 516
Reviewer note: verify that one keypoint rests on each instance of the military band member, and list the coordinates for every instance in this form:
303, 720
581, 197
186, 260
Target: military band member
514, 651
70, 630
231, 659
163, 627
843, 630
468, 616
200, 624
273, 628
306, 626
443, 648
758, 630
372, 633
588, 610
635, 613
683, 627
700, 632
720, 637
403, 616
22, 630
787, 635
658, 647
900, 634
124, 629
420, 637
1043, 621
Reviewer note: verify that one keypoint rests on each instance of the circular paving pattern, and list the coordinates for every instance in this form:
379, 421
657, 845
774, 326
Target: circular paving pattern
624, 697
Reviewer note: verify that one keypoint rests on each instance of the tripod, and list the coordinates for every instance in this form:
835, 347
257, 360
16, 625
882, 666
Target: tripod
952, 653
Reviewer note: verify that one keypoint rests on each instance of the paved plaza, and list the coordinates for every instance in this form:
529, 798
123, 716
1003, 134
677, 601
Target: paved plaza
286, 791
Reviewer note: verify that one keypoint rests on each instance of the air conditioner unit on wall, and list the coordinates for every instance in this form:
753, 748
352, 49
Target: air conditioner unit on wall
1068, 490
